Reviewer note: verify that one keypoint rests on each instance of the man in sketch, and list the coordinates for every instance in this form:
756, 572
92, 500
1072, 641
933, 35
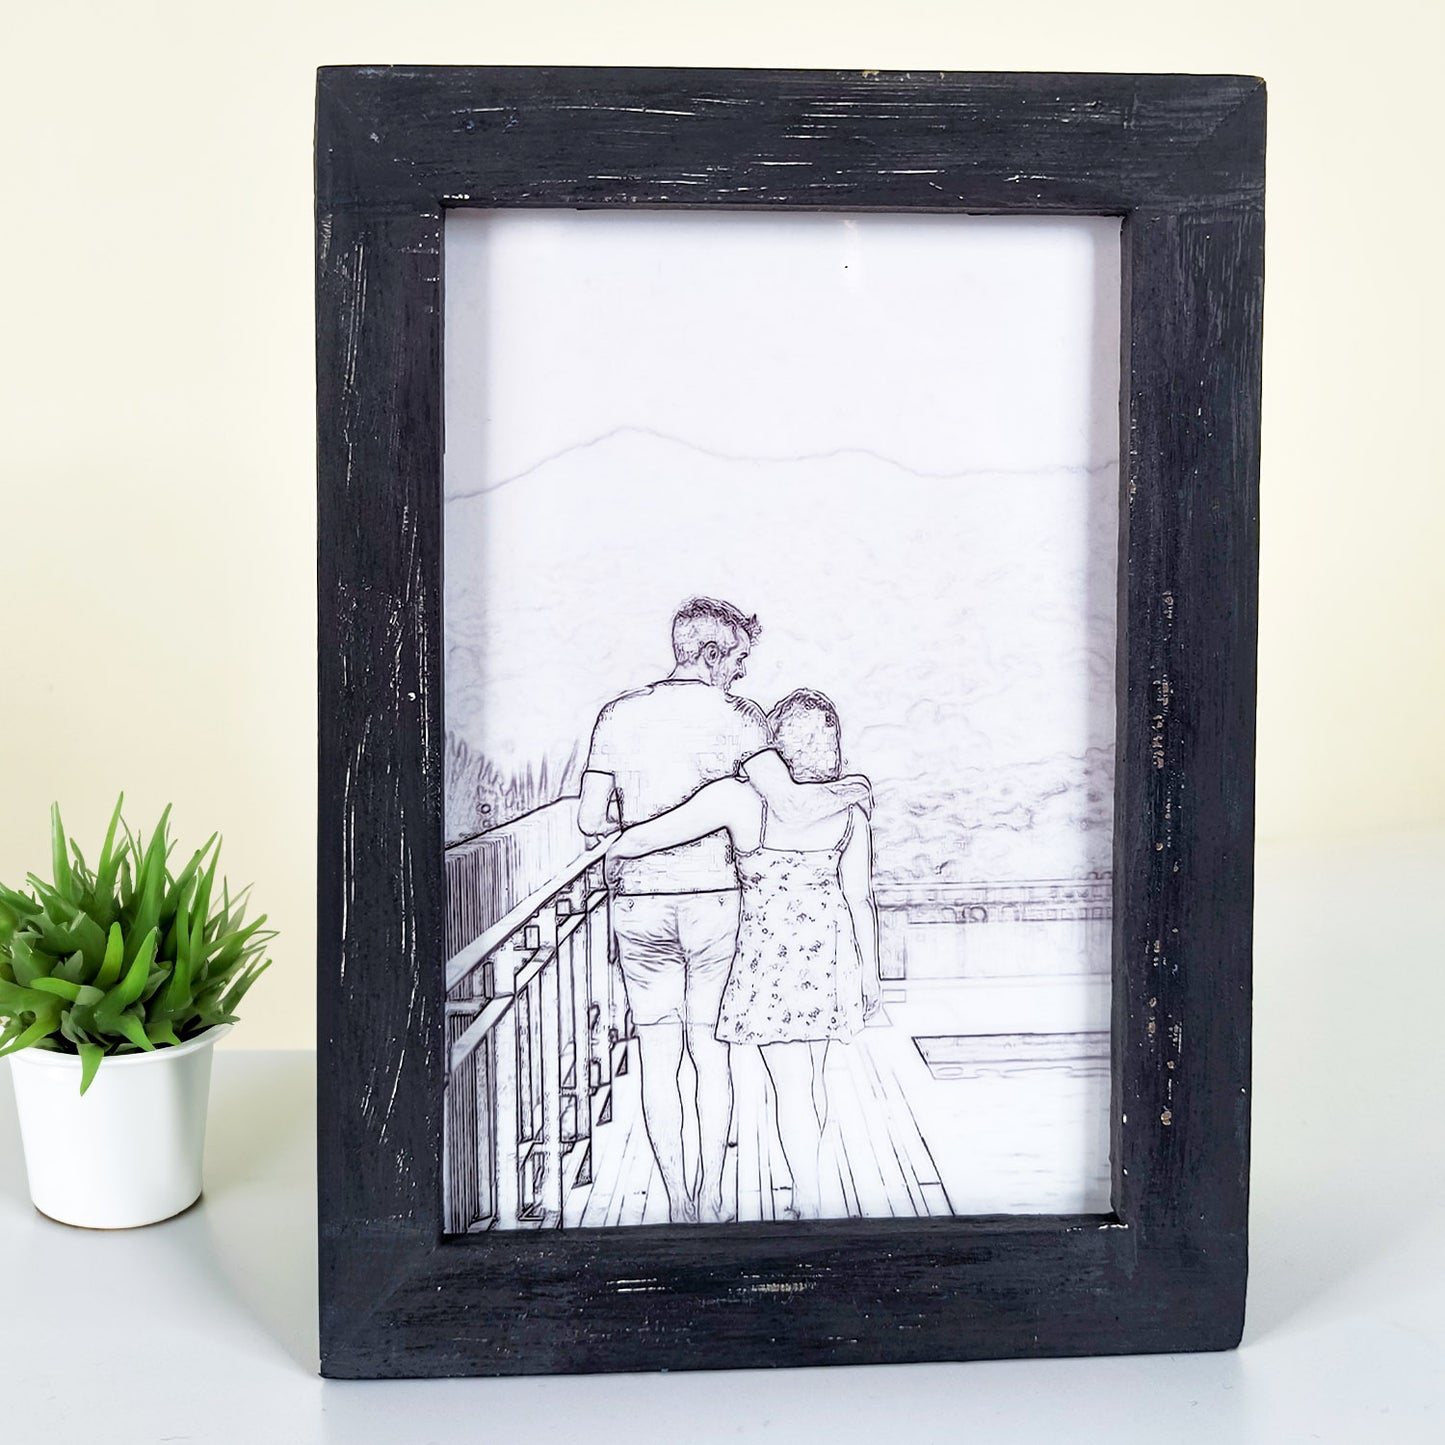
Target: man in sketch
675, 912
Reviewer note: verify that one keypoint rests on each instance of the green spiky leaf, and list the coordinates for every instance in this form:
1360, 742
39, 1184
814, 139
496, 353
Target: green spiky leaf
132, 1026
114, 956
74, 992
107, 866
90, 1057
24, 963
72, 969
43, 1025
130, 987
183, 885
19, 905
161, 1032
59, 855
128, 957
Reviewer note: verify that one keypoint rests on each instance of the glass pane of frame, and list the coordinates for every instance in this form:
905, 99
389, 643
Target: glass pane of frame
845, 488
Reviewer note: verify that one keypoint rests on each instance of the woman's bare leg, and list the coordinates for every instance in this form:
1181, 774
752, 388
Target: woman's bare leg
818, 1049
790, 1067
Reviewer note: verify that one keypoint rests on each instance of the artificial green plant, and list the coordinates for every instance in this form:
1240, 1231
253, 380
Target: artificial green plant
126, 957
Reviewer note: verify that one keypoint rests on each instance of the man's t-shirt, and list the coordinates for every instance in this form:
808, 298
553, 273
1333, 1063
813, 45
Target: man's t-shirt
661, 744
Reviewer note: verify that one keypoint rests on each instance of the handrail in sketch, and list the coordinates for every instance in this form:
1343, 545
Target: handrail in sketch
537, 1028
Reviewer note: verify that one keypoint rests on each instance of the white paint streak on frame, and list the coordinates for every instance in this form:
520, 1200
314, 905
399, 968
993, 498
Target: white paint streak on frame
628, 109
395, 1086
348, 861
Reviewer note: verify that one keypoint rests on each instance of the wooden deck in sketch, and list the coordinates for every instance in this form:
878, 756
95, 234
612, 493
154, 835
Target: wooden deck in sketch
875, 1160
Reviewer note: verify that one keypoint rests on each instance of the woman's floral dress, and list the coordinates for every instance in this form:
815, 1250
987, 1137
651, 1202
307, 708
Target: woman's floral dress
797, 973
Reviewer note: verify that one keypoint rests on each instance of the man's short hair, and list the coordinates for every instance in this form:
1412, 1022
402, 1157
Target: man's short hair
701, 620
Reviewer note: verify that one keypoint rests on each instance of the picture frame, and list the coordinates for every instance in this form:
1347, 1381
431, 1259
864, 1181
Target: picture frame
1180, 160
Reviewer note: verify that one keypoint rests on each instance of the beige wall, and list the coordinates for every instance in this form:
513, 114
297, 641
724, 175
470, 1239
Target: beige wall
158, 516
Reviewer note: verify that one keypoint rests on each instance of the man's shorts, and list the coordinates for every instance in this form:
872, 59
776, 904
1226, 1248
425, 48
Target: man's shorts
676, 951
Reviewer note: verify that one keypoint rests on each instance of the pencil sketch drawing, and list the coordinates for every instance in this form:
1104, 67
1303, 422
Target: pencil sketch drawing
780, 575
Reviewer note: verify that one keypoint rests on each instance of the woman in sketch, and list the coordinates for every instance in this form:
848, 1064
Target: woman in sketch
806, 967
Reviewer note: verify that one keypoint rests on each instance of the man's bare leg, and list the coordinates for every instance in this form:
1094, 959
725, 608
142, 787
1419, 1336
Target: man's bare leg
711, 1059
660, 1050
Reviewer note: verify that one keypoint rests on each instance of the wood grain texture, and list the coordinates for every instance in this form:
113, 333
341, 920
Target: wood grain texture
1180, 158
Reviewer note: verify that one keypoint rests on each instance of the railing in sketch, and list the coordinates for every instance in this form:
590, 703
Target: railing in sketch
958, 929
537, 1026
1045, 900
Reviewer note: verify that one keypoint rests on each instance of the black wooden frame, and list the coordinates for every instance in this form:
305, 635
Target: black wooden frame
1180, 158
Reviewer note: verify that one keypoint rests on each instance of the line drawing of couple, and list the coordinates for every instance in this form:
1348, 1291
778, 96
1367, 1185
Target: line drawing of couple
742, 900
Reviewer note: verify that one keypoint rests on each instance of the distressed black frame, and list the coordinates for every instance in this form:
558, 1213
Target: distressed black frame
1180, 158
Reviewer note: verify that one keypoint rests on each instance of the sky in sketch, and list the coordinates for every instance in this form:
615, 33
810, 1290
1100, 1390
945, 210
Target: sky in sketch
893, 438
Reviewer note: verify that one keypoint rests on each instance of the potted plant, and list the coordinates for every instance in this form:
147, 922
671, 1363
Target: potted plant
115, 983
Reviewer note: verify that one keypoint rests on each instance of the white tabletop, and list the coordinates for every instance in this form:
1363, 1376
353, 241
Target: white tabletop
204, 1328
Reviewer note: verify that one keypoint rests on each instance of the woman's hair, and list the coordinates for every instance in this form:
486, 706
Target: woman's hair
805, 730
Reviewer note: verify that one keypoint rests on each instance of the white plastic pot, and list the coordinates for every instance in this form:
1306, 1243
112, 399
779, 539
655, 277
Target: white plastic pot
128, 1151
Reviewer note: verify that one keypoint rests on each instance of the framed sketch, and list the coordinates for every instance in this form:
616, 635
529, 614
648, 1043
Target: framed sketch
787, 597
